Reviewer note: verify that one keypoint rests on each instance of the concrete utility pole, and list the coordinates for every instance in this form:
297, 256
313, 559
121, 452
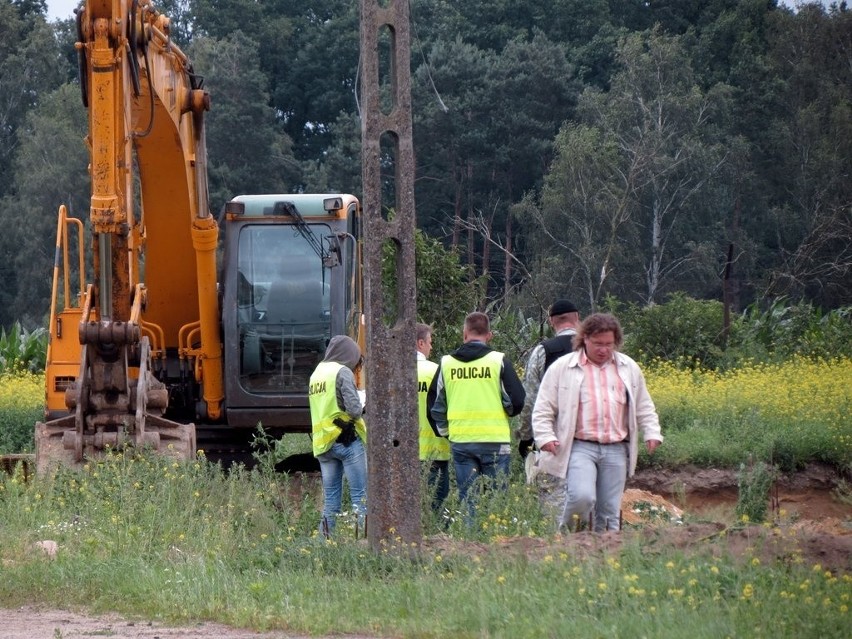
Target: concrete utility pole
393, 484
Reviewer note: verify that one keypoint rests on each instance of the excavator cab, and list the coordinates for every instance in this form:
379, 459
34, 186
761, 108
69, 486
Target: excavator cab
291, 280
285, 320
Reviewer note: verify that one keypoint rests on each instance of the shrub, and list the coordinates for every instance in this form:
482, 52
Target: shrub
683, 330
753, 485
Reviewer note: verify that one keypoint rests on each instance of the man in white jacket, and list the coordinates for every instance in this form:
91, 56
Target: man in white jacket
587, 418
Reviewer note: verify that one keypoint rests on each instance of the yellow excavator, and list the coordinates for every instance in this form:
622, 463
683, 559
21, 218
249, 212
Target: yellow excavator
163, 333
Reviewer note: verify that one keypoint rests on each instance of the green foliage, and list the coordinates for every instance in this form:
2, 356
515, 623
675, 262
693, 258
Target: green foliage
54, 130
445, 292
753, 485
514, 334
784, 329
31, 66
633, 154
21, 406
690, 333
249, 150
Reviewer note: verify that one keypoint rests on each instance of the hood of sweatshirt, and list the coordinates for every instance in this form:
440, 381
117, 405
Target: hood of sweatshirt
471, 351
343, 350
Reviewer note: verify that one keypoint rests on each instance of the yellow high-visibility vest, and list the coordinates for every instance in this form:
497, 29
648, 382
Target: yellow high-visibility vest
475, 410
432, 447
322, 397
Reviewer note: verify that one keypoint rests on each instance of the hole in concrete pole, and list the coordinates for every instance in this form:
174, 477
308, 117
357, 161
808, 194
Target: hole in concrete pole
387, 68
391, 268
388, 167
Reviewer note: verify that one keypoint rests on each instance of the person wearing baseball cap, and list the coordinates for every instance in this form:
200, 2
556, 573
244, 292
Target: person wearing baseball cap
564, 318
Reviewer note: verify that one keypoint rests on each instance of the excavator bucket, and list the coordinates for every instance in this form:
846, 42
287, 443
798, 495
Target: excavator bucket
58, 444
112, 411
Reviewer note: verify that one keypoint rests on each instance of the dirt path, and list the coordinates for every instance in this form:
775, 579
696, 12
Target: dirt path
34, 623
30, 622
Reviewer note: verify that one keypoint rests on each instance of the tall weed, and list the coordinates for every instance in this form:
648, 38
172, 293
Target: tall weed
754, 483
782, 330
21, 406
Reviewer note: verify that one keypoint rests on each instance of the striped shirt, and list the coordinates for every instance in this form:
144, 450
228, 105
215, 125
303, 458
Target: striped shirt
602, 414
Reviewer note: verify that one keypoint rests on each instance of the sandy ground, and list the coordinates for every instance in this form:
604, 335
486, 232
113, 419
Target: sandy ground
31, 622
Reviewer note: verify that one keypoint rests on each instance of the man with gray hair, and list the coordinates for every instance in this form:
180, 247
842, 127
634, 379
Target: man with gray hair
434, 450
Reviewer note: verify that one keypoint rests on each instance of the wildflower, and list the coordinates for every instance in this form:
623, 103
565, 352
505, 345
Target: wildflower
748, 591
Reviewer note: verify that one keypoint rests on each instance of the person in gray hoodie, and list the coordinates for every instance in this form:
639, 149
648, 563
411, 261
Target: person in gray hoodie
338, 430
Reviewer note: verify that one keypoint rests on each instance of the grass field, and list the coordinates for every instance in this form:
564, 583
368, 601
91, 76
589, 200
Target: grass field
152, 538
162, 540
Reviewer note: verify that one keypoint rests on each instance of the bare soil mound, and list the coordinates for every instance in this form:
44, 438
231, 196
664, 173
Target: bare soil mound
693, 509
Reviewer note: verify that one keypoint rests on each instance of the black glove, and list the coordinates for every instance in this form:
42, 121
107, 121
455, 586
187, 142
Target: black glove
347, 431
525, 446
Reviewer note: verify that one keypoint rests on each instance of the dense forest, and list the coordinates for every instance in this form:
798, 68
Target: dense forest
581, 148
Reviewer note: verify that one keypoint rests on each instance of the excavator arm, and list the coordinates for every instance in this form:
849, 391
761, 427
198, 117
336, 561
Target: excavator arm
153, 286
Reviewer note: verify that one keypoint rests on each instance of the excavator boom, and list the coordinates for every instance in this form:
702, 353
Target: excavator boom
146, 109
172, 351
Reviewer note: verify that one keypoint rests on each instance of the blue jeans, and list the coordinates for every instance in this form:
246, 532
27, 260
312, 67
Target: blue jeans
336, 462
474, 459
438, 481
596, 477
